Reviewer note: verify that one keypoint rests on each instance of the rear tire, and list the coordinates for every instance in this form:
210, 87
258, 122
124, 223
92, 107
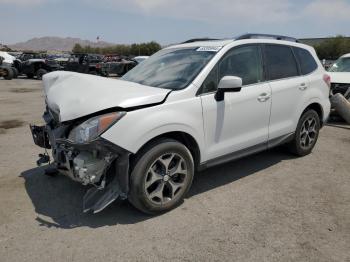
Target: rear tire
306, 134
40, 73
161, 177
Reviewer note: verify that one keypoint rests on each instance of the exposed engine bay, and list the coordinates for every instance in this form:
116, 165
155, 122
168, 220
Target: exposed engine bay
99, 163
75, 122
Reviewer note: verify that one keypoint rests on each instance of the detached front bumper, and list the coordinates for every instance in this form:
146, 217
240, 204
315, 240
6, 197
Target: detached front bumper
100, 163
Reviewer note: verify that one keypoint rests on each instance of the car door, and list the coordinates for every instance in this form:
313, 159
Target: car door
239, 123
287, 87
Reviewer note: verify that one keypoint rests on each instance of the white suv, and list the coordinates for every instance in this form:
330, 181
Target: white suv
187, 107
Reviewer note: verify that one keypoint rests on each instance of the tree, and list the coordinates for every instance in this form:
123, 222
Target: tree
77, 48
128, 50
333, 48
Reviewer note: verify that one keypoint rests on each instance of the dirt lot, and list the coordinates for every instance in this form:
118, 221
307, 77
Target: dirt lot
267, 207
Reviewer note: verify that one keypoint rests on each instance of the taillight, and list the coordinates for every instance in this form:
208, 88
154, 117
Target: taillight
327, 80
98, 66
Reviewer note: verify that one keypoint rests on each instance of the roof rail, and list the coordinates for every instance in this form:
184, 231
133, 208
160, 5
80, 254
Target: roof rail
198, 40
267, 36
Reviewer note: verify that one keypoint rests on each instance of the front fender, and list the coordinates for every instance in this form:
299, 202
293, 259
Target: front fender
140, 126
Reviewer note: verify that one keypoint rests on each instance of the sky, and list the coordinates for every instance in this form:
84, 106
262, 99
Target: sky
133, 21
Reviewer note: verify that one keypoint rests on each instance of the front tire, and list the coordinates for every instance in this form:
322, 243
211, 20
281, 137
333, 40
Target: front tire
306, 134
161, 177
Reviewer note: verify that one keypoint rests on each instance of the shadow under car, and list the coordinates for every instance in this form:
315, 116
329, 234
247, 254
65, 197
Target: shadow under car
58, 200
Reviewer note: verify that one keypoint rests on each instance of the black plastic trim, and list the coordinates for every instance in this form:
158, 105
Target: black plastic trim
234, 156
281, 140
267, 36
199, 40
247, 151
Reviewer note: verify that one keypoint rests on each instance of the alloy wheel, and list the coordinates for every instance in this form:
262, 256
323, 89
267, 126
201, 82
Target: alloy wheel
165, 178
308, 133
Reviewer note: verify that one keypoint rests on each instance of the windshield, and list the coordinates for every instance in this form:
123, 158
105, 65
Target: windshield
170, 68
341, 65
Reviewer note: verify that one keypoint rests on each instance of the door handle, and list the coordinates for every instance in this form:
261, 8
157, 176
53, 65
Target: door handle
302, 86
263, 97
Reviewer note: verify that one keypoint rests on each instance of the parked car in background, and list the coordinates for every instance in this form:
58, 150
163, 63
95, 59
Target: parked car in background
327, 63
16, 54
7, 58
36, 65
111, 58
25, 56
11, 62
340, 76
116, 65
5, 69
84, 63
62, 61
187, 107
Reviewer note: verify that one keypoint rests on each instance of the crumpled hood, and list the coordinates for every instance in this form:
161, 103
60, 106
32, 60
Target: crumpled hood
73, 95
339, 77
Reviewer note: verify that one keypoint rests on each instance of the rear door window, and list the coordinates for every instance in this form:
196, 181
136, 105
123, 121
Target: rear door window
306, 61
280, 62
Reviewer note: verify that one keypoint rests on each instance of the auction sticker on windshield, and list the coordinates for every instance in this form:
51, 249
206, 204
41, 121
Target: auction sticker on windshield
209, 48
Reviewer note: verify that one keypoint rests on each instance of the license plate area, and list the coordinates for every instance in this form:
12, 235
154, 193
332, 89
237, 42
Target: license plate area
40, 136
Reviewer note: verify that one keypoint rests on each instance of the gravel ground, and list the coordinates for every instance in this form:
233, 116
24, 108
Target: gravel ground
267, 207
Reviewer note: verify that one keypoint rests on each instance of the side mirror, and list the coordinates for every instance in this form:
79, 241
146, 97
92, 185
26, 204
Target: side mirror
228, 84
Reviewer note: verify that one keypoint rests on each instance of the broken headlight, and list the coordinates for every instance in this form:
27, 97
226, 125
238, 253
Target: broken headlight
94, 127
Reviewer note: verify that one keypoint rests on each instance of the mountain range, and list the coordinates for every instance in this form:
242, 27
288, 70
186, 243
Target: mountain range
50, 43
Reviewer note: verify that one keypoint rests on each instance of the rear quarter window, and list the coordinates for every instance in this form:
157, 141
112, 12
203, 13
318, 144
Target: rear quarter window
306, 60
280, 62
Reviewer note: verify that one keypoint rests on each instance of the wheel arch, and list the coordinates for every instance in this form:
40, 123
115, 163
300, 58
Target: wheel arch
318, 108
186, 139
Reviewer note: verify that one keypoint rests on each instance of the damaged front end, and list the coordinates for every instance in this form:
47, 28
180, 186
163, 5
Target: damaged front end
89, 160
